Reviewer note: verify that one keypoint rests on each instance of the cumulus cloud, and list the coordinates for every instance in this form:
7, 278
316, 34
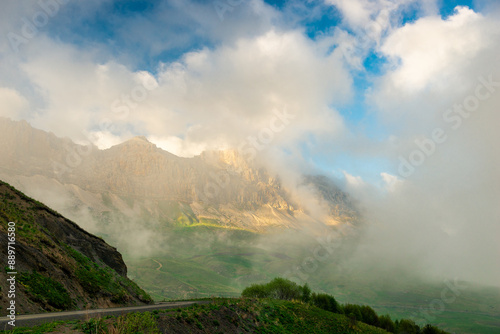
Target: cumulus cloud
209, 98
431, 50
367, 22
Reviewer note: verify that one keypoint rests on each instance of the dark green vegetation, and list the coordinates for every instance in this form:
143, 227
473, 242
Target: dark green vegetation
51, 327
283, 289
45, 289
59, 265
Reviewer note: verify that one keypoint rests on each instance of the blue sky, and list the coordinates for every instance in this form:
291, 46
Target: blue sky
104, 24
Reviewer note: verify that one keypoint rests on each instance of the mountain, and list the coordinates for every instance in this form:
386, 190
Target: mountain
59, 266
137, 181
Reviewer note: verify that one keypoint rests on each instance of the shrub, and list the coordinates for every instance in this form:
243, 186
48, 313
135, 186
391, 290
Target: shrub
278, 288
353, 311
407, 326
138, 323
93, 326
369, 316
385, 322
429, 329
325, 302
306, 293
255, 291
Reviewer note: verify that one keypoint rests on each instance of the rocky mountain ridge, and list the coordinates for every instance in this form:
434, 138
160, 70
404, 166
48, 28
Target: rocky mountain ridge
138, 183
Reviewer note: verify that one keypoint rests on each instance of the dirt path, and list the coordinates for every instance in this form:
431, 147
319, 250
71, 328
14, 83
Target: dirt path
160, 265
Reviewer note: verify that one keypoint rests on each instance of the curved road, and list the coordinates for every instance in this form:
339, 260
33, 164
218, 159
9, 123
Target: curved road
38, 319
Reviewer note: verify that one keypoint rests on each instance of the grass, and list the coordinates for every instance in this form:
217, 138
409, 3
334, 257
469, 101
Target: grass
136, 323
45, 328
45, 289
175, 276
25, 221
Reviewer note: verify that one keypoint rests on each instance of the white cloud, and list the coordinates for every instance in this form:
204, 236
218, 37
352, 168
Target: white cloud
391, 182
14, 105
432, 49
103, 139
366, 24
353, 181
209, 98
177, 146
356, 12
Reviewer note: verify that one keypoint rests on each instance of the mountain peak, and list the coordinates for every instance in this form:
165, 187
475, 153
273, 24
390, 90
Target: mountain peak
137, 141
141, 139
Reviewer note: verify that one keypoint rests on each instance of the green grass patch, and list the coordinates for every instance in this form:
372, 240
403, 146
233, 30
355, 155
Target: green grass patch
46, 289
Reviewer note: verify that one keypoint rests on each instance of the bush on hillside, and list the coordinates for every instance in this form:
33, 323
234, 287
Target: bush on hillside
407, 326
369, 316
353, 311
306, 293
278, 288
385, 322
325, 302
429, 329
256, 291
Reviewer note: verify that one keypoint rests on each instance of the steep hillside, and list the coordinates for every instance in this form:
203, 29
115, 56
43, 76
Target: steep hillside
59, 266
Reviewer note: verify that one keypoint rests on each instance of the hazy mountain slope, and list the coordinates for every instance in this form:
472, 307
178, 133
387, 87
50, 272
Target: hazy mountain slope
59, 266
137, 181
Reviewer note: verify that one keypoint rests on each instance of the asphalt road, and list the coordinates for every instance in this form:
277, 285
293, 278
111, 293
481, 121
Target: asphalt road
38, 319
